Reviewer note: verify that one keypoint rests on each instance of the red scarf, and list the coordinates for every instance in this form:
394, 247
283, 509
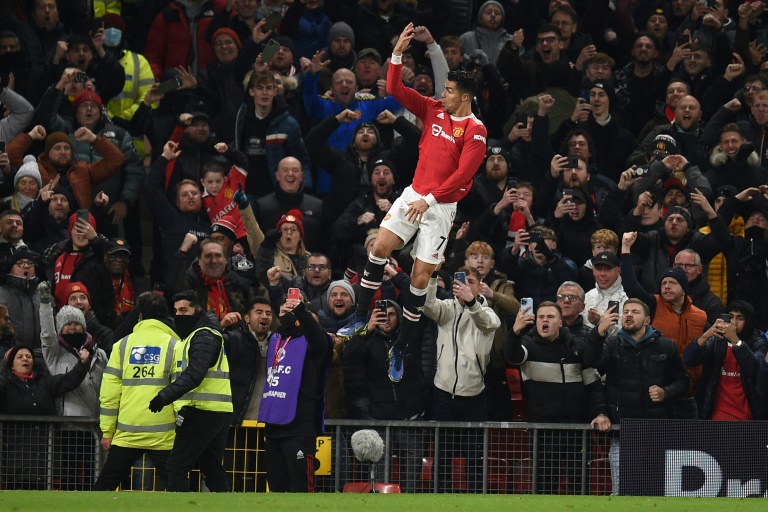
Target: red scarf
218, 302
62, 273
123, 294
24, 377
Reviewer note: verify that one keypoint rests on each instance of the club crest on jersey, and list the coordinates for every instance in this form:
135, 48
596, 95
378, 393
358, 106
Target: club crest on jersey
458, 131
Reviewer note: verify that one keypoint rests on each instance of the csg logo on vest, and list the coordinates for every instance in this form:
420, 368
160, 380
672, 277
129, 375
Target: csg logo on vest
145, 355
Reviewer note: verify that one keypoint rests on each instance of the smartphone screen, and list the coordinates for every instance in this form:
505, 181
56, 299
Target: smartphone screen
273, 20
269, 51
169, 85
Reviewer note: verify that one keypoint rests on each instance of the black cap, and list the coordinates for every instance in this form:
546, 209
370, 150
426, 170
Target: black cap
369, 52
579, 194
116, 245
200, 115
384, 161
606, 258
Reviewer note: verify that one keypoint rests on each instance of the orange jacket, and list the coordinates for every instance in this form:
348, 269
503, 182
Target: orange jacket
81, 175
682, 328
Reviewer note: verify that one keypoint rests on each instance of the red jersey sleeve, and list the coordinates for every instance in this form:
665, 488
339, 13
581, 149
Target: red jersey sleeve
408, 98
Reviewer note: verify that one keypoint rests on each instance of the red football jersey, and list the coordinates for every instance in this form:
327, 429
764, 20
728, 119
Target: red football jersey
222, 205
451, 148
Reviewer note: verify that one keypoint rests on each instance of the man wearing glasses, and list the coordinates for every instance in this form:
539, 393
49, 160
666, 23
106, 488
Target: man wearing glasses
313, 282
690, 261
570, 298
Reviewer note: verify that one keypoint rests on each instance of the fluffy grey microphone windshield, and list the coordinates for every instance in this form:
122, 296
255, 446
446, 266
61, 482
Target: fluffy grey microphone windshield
367, 446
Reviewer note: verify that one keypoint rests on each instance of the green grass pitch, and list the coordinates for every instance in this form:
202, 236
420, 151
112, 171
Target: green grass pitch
55, 501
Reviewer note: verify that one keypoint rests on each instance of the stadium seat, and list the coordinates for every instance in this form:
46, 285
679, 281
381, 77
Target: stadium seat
365, 487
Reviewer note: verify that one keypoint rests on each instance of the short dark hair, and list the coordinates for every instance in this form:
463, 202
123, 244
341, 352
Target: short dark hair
152, 306
11, 211
191, 295
647, 36
258, 300
465, 81
213, 167
546, 28
573, 133
733, 127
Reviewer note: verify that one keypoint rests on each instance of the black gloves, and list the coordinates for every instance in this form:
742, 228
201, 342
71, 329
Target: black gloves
157, 404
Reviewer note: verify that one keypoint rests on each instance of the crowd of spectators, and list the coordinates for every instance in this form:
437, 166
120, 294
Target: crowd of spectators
241, 148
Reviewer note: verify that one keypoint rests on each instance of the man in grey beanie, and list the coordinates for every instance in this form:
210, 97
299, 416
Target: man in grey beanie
489, 36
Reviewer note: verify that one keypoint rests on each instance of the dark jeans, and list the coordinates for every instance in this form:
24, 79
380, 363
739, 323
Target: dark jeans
117, 469
203, 437
457, 443
291, 464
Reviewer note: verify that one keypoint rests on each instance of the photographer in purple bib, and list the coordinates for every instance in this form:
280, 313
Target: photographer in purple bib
292, 403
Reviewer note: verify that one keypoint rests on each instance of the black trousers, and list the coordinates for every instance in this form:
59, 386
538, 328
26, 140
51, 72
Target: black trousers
459, 442
117, 469
202, 436
291, 464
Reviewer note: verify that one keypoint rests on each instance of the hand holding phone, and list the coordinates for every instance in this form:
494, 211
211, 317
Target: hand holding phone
613, 304
526, 302
294, 294
171, 85
269, 51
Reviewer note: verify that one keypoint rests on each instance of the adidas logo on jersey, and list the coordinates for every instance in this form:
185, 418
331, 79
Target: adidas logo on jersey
441, 116
299, 455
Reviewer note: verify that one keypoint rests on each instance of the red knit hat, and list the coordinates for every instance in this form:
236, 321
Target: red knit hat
228, 31
111, 19
87, 96
294, 217
226, 227
73, 219
76, 286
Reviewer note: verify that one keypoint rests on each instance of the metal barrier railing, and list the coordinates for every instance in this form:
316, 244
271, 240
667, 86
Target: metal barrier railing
494, 458
41, 452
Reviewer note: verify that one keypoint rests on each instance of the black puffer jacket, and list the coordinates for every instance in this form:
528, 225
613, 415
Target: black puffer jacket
712, 356
389, 400
203, 353
545, 365
631, 368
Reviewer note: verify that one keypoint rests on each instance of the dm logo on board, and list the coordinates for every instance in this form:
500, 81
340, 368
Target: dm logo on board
145, 355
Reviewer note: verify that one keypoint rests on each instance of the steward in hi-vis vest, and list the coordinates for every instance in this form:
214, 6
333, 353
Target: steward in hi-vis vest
139, 367
201, 395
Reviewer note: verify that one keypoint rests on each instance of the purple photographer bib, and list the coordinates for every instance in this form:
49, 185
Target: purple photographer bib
285, 362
